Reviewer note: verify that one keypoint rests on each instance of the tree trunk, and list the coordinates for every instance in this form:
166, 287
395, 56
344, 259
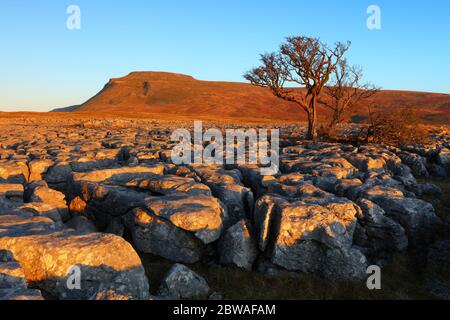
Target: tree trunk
335, 119
312, 133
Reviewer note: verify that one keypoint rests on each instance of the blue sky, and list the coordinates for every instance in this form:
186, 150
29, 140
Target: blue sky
44, 65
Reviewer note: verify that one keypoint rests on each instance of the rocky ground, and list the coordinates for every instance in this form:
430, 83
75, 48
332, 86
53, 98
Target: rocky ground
103, 195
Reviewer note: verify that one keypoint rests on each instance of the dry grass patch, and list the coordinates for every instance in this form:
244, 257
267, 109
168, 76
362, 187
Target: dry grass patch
400, 280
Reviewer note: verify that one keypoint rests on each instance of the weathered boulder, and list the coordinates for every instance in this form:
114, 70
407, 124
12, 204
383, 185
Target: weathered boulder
366, 162
380, 235
182, 283
347, 187
155, 235
167, 184
338, 168
105, 202
11, 274
388, 180
12, 224
226, 185
119, 176
327, 184
19, 294
115, 226
11, 191
314, 235
297, 188
8, 205
417, 163
202, 215
39, 167
13, 172
13, 285
48, 255
238, 247
81, 224
93, 161
29, 189
416, 216
39, 209
58, 174
252, 177
106, 194
51, 197
77, 206
404, 174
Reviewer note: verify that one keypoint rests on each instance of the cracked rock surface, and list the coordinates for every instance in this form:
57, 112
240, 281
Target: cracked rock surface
95, 193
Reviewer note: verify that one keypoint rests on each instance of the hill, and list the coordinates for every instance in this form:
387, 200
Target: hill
161, 93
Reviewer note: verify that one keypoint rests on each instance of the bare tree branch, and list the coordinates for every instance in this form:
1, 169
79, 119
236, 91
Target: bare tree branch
303, 61
345, 91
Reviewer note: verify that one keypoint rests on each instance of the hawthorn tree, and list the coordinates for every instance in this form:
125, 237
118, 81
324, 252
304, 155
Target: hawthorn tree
301, 61
345, 92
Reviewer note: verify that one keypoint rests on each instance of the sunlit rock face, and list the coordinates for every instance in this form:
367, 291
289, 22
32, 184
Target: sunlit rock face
201, 215
155, 235
13, 285
47, 255
56, 199
227, 186
38, 168
9, 190
103, 194
13, 172
311, 235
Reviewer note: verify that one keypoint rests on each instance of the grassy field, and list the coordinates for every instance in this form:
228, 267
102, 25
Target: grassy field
402, 279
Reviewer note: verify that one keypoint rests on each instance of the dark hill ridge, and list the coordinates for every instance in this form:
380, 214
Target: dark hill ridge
177, 94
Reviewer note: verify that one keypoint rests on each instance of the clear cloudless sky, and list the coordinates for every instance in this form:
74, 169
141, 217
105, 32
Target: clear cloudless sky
44, 65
